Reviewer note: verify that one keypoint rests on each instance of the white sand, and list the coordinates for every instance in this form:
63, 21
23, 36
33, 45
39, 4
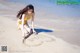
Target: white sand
43, 43
11, 37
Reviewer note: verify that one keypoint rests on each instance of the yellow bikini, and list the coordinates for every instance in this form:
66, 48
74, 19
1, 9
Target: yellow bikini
26, 18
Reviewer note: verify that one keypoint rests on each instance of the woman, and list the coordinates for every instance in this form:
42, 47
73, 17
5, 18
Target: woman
23, 16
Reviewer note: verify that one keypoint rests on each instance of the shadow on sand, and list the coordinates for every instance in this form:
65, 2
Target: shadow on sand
39, 30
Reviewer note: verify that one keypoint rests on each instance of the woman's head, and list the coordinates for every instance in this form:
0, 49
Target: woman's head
30, 9
27, 10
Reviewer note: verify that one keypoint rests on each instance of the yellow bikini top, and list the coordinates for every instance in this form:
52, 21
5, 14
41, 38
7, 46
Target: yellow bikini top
27, 17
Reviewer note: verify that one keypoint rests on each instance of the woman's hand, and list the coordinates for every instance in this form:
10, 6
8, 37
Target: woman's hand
34, 31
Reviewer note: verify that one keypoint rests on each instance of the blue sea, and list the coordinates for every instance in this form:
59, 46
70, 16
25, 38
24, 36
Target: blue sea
69, 11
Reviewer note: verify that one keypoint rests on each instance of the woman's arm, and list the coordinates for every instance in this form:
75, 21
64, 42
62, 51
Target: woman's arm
32, 22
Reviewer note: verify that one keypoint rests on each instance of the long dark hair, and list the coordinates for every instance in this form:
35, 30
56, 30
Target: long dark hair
21, 12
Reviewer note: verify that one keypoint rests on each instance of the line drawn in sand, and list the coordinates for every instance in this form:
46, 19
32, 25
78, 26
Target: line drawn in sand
39, 39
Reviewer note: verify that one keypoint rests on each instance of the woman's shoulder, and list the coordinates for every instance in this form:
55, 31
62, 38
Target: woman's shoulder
23, 14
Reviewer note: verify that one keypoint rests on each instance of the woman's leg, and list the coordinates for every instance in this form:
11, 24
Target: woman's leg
27, 27
23, 32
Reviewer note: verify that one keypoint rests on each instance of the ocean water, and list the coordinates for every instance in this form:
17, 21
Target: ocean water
66, 11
